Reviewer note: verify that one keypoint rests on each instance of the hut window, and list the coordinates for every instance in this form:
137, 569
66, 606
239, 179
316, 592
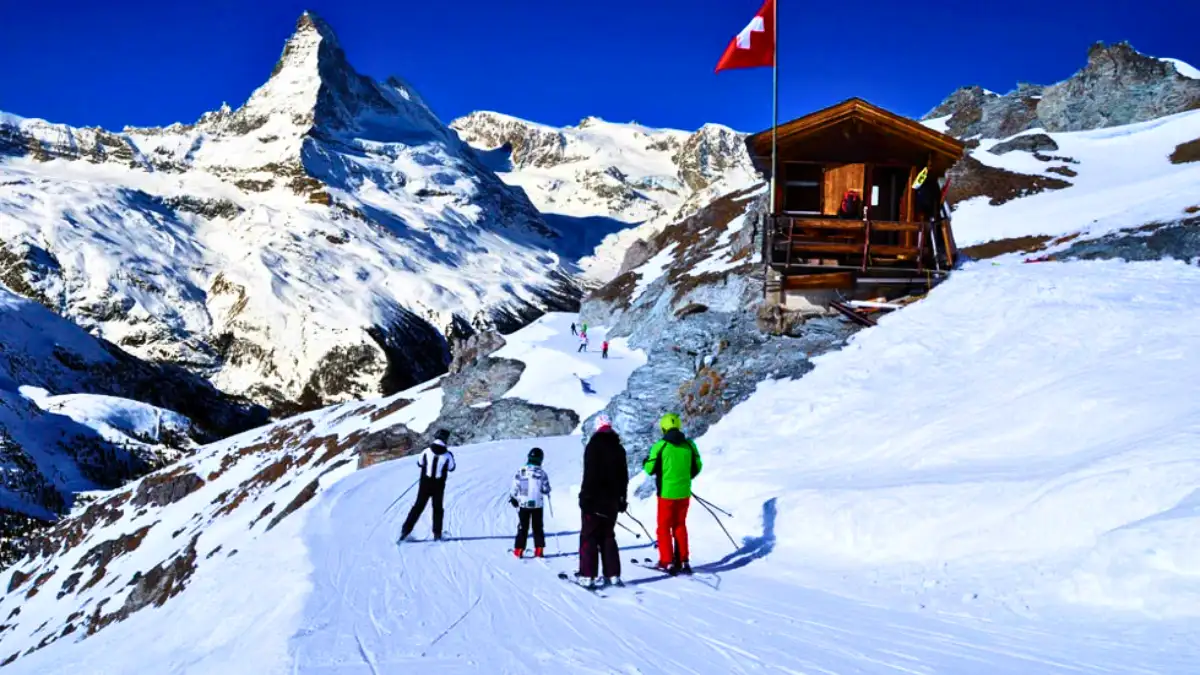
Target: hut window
802, 188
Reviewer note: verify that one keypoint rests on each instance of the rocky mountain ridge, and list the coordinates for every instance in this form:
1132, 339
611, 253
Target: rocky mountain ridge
1117, 86
607, 177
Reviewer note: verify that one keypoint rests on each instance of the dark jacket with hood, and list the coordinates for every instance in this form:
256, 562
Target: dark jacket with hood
605, 475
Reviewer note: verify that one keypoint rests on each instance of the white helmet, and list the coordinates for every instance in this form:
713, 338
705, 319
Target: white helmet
602, 422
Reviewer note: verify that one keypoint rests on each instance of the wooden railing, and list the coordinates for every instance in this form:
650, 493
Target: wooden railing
787, 238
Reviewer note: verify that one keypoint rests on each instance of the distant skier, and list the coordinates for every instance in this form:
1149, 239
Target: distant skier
583, 343
604, 350
529, 486
674, 461
435, 462
584, 328
573, 331
601, 498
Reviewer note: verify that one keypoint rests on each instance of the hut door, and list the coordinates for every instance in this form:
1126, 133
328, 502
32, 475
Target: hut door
889, 183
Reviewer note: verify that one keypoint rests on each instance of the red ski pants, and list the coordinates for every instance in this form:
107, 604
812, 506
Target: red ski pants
672, 525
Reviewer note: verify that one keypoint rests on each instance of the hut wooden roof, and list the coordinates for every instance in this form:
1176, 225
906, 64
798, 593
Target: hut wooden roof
857, 131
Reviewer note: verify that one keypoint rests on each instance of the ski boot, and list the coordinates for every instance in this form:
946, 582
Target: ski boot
615, 582
586, 582
539, 553
518, 552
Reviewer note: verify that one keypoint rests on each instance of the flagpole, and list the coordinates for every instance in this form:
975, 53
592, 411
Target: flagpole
774, 102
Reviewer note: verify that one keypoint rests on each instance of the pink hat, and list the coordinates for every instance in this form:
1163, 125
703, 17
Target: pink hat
602, 422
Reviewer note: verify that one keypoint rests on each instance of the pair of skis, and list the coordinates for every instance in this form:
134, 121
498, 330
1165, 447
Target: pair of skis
598, 590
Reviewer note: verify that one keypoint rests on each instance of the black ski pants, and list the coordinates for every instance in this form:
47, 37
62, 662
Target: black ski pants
598, 543
525, 517
430, 488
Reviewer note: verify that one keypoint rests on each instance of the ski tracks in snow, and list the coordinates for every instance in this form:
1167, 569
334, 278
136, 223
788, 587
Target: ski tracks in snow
466, 605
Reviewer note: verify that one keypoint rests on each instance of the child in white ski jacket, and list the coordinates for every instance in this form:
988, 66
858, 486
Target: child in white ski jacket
529, 487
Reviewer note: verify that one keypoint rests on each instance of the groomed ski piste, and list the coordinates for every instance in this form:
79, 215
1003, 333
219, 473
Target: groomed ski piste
1001, 478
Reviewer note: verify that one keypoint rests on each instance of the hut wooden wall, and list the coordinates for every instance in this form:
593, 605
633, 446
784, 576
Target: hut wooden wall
838, 179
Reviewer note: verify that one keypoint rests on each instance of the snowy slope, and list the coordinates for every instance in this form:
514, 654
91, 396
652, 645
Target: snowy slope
69, 423
995, 480
556, 373
599, 179
314, 245
1120, 177
118, 419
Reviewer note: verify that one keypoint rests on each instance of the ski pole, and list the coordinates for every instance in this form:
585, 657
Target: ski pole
722, 525
550, 503
626, 528
392, 506
702, 500
630, 516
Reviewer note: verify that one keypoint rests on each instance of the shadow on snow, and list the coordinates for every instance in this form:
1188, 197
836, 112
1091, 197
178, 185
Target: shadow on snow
752, 548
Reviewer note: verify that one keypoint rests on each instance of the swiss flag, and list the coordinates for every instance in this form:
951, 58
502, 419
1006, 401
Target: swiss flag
754, 47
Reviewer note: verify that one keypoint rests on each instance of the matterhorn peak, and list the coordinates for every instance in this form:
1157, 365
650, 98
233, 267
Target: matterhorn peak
310, 22
311, 44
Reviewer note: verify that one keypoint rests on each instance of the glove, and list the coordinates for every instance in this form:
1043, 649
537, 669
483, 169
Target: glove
513, 501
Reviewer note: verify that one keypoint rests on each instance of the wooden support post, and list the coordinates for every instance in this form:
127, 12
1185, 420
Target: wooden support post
921, 250
910, 196
767, 257
868, 179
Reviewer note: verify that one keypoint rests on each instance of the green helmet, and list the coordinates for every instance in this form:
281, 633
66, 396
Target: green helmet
670, 421
535, 456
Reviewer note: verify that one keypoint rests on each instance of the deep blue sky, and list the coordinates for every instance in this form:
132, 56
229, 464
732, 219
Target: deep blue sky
557, 61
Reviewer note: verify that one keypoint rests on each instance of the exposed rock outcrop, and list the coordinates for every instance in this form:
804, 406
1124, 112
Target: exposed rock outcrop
1118, 86
507, 418
1025, 143
971, 178
471, 350
1179, 240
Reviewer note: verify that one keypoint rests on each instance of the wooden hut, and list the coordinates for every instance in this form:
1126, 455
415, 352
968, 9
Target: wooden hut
846, 213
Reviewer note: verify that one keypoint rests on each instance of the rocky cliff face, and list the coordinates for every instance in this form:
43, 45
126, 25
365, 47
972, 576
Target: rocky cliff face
691, 297
318, 243
1118, 86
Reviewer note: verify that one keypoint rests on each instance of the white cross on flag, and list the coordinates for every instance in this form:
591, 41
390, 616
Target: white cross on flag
755, 45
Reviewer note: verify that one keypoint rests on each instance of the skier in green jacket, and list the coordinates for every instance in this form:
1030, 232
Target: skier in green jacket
674, 461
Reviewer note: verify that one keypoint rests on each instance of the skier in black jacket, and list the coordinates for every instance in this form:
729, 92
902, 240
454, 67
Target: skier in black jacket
435, 463
601, 498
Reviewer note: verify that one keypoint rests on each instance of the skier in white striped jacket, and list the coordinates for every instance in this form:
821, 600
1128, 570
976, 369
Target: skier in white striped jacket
529, 486
435, 462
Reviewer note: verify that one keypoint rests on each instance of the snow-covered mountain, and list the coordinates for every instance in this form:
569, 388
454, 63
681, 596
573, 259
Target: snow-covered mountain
78, 415
599, 179
885, 516
316, 244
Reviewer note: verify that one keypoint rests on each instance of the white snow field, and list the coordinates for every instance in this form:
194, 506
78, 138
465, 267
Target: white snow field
1125, 180
1001, 478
